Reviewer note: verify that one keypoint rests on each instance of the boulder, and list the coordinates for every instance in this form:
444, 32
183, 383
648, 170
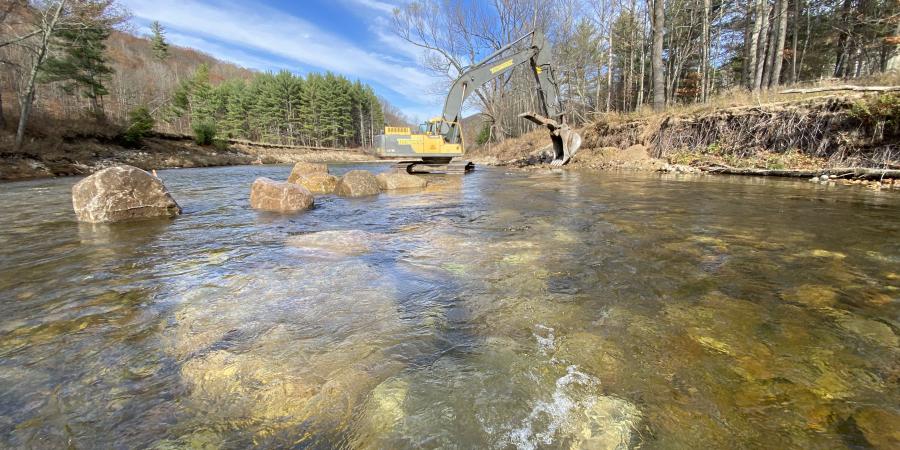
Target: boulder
396, 179
271, 195
304, 169
317, 183
357, 183
122, 193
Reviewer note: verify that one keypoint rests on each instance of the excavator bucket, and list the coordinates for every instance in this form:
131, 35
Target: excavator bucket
566, 141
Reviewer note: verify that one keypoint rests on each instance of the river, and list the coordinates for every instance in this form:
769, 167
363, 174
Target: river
499, 310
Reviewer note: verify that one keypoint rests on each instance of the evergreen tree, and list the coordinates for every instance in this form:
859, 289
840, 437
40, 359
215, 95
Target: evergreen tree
82, 64
319, 110
158, 41
234, 122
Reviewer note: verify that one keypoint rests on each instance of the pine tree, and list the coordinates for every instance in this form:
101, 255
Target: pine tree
82, 64
158, 41
233, 123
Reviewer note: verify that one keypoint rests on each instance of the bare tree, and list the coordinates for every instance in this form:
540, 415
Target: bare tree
659, 78
48, 18
762, 44
704, 48
775, 78
5, 13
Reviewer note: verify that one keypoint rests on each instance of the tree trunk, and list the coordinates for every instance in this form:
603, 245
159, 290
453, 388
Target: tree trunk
843, 43
779, 47
609, 77
754, 44
27, 99
704, 59
794, 40
893, 64
2, 116
659, 80
640, 98
763, 17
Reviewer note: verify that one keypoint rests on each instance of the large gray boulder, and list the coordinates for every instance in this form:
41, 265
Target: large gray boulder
270, 195
122, 193
317, 183
357, 183
396, 180
302, 169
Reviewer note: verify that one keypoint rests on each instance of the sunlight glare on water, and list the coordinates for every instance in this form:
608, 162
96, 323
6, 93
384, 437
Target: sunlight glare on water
499, 310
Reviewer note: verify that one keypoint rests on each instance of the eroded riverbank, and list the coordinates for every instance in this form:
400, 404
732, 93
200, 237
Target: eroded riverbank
525, 309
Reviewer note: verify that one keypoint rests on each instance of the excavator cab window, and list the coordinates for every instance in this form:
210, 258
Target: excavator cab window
423, 128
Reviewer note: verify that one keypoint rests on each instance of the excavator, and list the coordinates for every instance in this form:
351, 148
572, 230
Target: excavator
439, 140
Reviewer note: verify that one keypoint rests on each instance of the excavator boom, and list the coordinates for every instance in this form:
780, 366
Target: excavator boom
441, 139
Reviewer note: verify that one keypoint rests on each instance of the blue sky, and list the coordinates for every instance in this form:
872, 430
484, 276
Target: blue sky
350, 37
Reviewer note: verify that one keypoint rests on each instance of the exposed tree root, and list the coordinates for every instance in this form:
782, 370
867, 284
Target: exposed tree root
845, 87
861, 173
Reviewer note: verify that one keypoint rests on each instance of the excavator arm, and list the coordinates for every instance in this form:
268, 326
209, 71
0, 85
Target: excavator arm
565, 141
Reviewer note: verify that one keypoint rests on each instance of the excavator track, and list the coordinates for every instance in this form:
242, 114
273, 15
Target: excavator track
422, 167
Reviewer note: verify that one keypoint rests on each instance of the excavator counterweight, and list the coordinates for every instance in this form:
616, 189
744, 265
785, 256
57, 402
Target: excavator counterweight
439, 140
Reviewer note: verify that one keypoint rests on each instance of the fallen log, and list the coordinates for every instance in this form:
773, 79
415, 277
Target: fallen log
845, 87
186, 137
861, 173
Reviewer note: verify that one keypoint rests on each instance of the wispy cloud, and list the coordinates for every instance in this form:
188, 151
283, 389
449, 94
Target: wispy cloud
378, 5
278, 33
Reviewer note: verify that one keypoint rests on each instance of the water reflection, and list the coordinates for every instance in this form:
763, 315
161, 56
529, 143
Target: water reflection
539, 309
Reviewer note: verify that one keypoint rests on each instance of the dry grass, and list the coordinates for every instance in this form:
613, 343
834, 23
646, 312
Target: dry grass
740, 98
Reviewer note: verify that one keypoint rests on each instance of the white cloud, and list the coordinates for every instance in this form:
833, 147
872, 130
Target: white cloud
375, 4
278, 33
261, 37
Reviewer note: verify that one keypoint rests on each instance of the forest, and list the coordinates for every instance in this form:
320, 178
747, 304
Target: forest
78, 61
614, 56
73, 64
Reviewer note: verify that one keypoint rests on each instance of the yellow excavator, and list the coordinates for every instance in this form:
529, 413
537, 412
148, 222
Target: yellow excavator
438, 141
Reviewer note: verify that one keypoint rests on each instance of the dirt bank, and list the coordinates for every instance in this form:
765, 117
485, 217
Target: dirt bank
81, 155
803, 137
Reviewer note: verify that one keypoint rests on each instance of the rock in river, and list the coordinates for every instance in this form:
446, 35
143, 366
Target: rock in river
305, 169
400, 180
317, 183
122, 193
358, 183
271, 195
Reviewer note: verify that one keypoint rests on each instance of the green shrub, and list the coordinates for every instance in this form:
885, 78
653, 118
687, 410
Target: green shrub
140, 124
204, 132
220, 144
484, 135
878, 109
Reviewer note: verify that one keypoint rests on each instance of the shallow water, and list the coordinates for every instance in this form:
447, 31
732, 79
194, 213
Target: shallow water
509, 310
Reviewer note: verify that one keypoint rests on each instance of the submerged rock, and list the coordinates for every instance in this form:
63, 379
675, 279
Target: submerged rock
811, 295
358, 183
317, 183
122, 193
302, 169
342, 242
394, 180
271, 195
880, 427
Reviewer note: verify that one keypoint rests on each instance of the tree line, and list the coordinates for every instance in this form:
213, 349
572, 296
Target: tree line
318, 110
622, 56
67, 60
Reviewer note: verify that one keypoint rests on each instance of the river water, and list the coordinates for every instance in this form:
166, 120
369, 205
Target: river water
498, 310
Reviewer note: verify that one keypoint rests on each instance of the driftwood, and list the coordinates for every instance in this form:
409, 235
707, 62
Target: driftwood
845, 87
837, 172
